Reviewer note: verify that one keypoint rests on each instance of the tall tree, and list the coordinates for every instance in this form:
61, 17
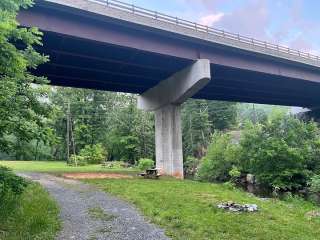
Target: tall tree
222, 115
110, 119
22, 113
196, 127
200, 119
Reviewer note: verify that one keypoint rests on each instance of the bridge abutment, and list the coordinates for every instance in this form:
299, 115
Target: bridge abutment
165, 100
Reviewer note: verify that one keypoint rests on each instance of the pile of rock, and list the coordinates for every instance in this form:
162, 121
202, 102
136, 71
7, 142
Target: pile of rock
234, 207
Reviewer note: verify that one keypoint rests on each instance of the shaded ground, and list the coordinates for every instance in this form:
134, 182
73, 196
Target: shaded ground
61, 167
89, 214
95, 176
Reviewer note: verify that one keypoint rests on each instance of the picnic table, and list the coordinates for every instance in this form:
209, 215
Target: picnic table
151, 174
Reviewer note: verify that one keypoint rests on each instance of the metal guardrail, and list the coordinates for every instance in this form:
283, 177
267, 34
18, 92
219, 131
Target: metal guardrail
116, 4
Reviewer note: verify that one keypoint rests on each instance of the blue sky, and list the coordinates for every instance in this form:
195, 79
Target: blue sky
293, 23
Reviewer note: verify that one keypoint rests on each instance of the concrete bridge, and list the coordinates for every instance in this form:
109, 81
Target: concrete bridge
109, 45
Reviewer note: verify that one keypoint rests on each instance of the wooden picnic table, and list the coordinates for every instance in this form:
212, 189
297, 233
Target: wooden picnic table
151, 173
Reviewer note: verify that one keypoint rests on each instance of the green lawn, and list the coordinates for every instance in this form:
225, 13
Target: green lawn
33, 216
60, 167
187, 210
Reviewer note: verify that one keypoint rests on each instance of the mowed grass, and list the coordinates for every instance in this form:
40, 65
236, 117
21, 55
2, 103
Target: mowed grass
187, 210
61, 167
33, 216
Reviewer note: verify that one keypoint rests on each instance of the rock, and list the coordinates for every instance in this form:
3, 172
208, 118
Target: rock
313, 214
233, 207
251, 179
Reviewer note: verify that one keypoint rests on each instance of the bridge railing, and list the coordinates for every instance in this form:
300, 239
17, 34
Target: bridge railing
202, 28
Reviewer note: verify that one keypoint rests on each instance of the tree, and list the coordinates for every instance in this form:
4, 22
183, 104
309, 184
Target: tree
282, 153
222, 156
110, 119
195, 127
200, 119
222, 115
22, 114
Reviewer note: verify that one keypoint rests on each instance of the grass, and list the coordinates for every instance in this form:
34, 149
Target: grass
98, 214
33, 216
60, 167
187, 210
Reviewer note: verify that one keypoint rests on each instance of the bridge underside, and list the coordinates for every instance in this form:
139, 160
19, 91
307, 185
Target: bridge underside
81, 63
89, 49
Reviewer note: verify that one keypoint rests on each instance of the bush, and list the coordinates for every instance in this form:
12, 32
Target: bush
234, 174
90, 154
10, 184
93, 154
190, 166
315, 184
145, 163
222, 155
282, 153
77, 160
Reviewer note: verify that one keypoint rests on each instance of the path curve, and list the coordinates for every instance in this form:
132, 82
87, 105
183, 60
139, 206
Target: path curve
78, 203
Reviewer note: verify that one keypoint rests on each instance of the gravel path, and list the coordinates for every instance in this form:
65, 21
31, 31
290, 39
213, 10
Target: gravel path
90, 214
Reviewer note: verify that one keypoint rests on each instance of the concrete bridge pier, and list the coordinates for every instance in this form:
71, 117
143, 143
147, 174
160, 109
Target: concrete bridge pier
165, 100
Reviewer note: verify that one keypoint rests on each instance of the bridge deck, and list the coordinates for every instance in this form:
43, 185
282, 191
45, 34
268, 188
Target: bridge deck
97, 46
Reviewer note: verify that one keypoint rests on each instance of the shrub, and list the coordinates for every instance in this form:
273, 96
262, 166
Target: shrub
234, 174
145, 163
93, 154
222, 155
191, 166
77, 160
10, 183
315, 184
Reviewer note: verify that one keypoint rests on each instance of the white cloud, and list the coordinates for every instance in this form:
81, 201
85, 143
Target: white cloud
251, 19
211, 19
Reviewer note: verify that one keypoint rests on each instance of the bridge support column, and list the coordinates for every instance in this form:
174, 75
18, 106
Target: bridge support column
165, 99
169, 155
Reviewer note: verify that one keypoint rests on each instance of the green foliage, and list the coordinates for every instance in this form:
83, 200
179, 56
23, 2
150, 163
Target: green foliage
221, 157
281, 153
22, 114
222, 115
200, 118
145, 164
90, 154
77, 161
10, 184
94, 154
196, 127
190, 166
109, 119
32, 215
234, 174
315, 184
258, 113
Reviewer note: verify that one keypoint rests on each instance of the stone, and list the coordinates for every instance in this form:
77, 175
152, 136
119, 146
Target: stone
234, 207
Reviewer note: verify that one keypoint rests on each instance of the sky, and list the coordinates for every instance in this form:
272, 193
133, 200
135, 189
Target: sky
292, 23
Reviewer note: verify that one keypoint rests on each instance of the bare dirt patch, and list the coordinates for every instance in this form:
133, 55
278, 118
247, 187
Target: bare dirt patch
95, 176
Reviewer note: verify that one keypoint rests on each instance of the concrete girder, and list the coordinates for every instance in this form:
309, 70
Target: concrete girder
177, 88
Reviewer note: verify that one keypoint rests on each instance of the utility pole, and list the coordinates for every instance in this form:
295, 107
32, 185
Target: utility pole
254, 114
68, 132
